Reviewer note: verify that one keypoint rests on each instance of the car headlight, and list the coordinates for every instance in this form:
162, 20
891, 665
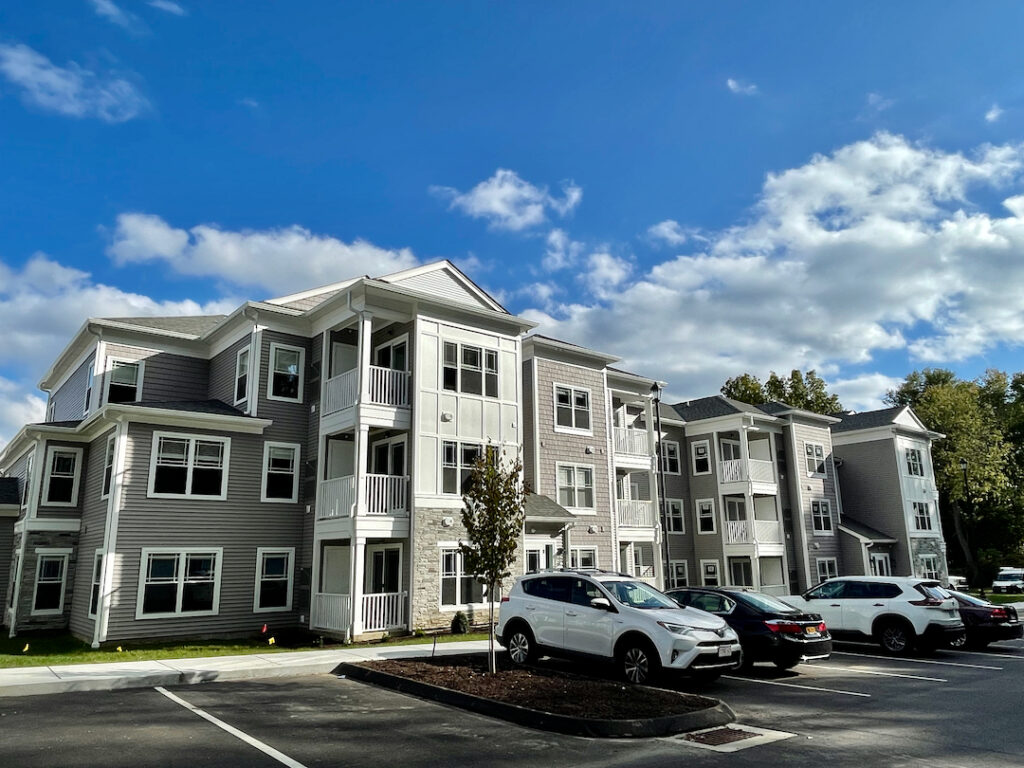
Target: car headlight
678, 629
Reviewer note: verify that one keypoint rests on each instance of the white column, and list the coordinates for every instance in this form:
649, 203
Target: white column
362, 448
365, 343
745, 453
356, 586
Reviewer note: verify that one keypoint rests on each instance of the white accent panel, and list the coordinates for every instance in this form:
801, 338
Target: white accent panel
427, 464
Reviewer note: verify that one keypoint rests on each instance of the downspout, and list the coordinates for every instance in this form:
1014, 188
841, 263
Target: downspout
255, 344
656, 403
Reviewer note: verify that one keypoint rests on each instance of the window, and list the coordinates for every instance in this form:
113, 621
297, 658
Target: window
575, 486
922, 516
179, 582
458, 588
827, 568
470, 370
709, 573
89, 377
676, 519
51, 571
450, 366
97, 576
457, 465
821, 517
125, 382
678, 575
287, 371
915, 466
27, 482
274, 572
490, 373
51, 406
185, 466
392, 355
550, 588
61, 482
242, 375
930, 567
280, 472
108, 466
701, 457
706, 516
741, 574
572, 409
582, 557
670, 457
814, 453
643, 559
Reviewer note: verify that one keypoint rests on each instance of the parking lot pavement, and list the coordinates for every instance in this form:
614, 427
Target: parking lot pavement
946, 709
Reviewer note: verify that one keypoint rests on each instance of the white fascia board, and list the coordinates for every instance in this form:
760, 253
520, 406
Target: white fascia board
733, 421
873, 434
76, 340
502, 318
163, 416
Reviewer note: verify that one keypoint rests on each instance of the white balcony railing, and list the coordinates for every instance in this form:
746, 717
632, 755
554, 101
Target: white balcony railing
768, 531
383, 611
741, 470
635, 514
761, 471
732, 471
631, 441
337, 497
737, 532
331, 612
388, 387
342, 391
778, 590
386, 495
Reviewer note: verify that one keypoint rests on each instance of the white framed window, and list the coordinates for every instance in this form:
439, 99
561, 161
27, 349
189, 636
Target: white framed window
575, 485
741, 572
51, 407
572, 409
97, 575
393, 354
706, 522
457, 461
242, 375
275, 572
821, 516
469, 369
700, 455
287, 373
63, 470
89, 378
26, 482
676, 518
709, 576
922, 516
814, 455
280, 472
583, 557
179, 582
124, 381
678, 574
51, 578
108, 466
915, 463
929, 566
184, 466
458, 588
828, 568
670, 457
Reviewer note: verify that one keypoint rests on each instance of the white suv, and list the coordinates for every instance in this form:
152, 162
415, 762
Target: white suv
897, 612
611, 616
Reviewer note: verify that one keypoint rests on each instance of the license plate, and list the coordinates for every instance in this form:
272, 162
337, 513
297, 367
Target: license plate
724, 651
811, 630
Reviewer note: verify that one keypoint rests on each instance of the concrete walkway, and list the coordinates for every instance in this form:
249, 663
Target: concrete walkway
27, 681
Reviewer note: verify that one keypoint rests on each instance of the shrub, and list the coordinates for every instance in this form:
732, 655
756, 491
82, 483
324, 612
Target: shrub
460, 624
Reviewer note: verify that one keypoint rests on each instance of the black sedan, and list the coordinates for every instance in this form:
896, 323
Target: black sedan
985, 622
769, 629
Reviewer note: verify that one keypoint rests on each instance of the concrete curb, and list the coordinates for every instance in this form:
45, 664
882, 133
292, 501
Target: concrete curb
720, 714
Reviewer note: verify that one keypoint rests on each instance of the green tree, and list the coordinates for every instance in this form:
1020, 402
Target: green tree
746, 388
775, 388
805, 391
493, 513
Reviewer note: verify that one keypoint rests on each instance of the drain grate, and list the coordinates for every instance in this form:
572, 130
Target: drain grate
719, 736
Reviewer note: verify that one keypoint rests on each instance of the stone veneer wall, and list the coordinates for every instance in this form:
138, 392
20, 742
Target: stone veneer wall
929, 545
45, 540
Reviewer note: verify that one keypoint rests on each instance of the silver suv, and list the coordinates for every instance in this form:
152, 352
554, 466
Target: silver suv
612, 617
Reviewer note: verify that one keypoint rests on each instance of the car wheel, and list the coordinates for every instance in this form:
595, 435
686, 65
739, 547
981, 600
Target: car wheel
521, 648
896, 638
639, 662
786, 663
959, 641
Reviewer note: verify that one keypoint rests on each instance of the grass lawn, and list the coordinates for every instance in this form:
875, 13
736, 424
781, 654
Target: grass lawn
55, 649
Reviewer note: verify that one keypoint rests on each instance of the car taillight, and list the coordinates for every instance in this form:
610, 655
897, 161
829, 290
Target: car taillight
504, 599
785, 627
822, 627
928, 602
999, 613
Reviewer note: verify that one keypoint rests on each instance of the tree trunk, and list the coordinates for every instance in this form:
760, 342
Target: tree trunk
492, 665
965, 546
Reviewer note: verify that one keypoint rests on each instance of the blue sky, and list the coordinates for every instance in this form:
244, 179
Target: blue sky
701, 189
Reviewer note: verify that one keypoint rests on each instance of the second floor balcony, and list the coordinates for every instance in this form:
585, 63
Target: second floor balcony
635, 513
753, 531
385, 386
380, 495
743, 470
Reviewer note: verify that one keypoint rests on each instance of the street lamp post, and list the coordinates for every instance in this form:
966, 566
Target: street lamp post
662, 513
958, 524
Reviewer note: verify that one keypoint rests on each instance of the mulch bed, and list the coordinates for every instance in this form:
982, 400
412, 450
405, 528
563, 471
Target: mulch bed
544, 690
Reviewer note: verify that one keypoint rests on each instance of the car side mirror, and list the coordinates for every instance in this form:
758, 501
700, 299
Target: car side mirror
602, 603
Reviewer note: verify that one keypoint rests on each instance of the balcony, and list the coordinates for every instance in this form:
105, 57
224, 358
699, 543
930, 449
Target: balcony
331, 612
336, 499
751, 531
742, 470
385, 387
634, 513
631, 442
382, 495
381, 612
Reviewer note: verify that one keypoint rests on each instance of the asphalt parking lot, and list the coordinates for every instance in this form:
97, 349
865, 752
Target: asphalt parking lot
856, 709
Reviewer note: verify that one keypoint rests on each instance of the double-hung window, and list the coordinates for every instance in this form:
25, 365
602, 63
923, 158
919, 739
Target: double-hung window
930, 567
457, 461
286, 374
575, 486
179, 582
678, 574
706, 516
572, 408
582, 557
922, 516
701, 454
458, 588
469, 369
97, 576
89, 377
280, 472
274, 574
108, 466
709, 573
814, 453
124, 384
676, 519
242, 376
827, 567
51, 576
821, 516
63, 466
189, 466
915, 465
25, 486
669, 456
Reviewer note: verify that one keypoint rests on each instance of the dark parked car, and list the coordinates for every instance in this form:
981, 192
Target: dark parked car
769, 629
985, 622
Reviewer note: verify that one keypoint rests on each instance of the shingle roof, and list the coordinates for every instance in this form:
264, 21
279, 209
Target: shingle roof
866, 420
712, 407
866, 531
9, 491
68, 424
195, 325
539, 507
217, 407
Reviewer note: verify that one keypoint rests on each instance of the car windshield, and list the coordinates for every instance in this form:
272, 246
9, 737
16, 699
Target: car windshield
767, 602
637, 594
1010, 576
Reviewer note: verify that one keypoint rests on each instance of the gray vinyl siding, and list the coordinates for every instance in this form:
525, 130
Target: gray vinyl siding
529, 436
680, 545
705, 546
69, 400
852, 561
816, 489
222, 372
94, 516
441, 285
165, 377
6, 557
18, 469
65, 513
291, 420
239, 525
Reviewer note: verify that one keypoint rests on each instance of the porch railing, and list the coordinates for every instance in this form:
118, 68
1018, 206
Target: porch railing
740, 470
768, 531
383, 611
337, 497
634, 513
387, 495
342, 391
331, 611
761, 471
737, 532
388, 387
631, 441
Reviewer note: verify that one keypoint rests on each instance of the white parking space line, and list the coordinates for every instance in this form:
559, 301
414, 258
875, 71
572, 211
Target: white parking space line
992, 655
865, 671
903, 660
792, 685
264, 748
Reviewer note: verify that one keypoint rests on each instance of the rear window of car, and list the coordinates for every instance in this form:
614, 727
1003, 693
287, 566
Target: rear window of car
549, 588
933, 591
766, 603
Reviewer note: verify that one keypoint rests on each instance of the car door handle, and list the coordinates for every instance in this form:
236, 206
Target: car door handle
878, 605
835, 605
530, 607
571, 613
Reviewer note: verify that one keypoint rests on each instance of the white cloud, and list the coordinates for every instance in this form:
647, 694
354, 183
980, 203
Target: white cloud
865, 392
113, 13
875, 247
668, 232
278, 260
72, 90
168, 6
561, 252
994, 113
17, 408
877, 103
605, 273
508, 202
741, 87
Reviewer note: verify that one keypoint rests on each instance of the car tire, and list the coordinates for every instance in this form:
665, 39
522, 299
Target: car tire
960, 641
896, 637
639, 662
521, 646
786, 663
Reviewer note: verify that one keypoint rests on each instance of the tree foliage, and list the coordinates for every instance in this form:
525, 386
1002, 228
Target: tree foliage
806, 391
